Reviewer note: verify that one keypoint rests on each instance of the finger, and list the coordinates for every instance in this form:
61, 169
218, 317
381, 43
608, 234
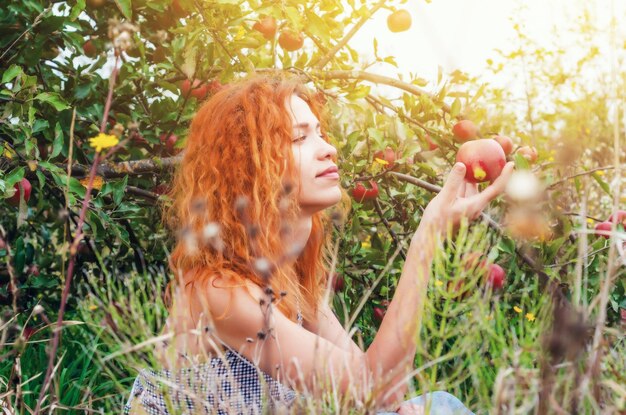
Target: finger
497, 187
471, 189
462, 189
453, 183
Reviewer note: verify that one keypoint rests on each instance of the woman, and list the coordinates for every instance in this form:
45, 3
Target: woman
249, 322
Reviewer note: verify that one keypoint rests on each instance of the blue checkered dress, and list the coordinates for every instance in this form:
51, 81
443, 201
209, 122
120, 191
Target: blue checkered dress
223, 386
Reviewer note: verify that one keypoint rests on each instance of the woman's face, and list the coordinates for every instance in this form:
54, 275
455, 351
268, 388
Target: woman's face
312, 155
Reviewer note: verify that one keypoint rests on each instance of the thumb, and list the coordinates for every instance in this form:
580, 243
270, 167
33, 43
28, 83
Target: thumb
453, 182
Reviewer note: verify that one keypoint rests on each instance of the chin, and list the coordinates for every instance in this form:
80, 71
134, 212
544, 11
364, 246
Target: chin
321, 203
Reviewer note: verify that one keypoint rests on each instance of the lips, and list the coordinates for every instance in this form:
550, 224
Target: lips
332, 169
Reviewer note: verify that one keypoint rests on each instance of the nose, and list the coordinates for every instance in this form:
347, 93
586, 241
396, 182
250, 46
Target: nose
328, 150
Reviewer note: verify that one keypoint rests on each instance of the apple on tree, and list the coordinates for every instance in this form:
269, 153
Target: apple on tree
399, 21
89, 49
361, 194
528, 152
169, 142
290, 40
197, 89
22, 189
505, 142
389, 155
379, 313
484, 160
464, 130
267, 27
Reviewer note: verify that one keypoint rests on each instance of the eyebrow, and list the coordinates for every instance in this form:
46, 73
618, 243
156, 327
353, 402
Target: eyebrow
304, 125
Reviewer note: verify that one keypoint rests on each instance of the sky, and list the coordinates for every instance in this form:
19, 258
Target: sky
463, 34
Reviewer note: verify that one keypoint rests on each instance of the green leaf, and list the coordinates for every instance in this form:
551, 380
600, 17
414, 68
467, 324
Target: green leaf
126, 8
11, 73
57, 145
455, 109
77, 9
53, 99
604, 185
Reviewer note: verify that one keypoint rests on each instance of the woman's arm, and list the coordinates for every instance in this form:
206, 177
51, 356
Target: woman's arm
328, 326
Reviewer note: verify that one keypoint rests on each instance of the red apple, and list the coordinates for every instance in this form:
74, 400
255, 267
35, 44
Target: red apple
464, 130
170, 143
496, 276
15, 199
389, 156
431, 144
604, 229
619, 217
505, 142
89, 49
161, 189
338, 283
267, 26
484, 160
379, 314
529, 153
214, 86
290, 40
197, 89
361, 194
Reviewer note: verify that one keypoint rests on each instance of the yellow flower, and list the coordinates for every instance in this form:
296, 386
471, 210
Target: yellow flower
600, 172
93, 307
590, 221
97, 182
366, 244
550, 159
103, 141
438, 283
381, 161
530, 316
517, 309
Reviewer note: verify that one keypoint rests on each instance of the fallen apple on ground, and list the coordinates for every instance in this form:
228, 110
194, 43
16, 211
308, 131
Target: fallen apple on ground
484, 160
496, 276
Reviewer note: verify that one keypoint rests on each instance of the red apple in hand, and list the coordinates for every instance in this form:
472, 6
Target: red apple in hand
389, 156
361, 194
496, 276
464, 130
484, 160
505, 142
15, 199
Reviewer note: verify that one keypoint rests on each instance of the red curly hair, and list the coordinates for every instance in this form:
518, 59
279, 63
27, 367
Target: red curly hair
239, 145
